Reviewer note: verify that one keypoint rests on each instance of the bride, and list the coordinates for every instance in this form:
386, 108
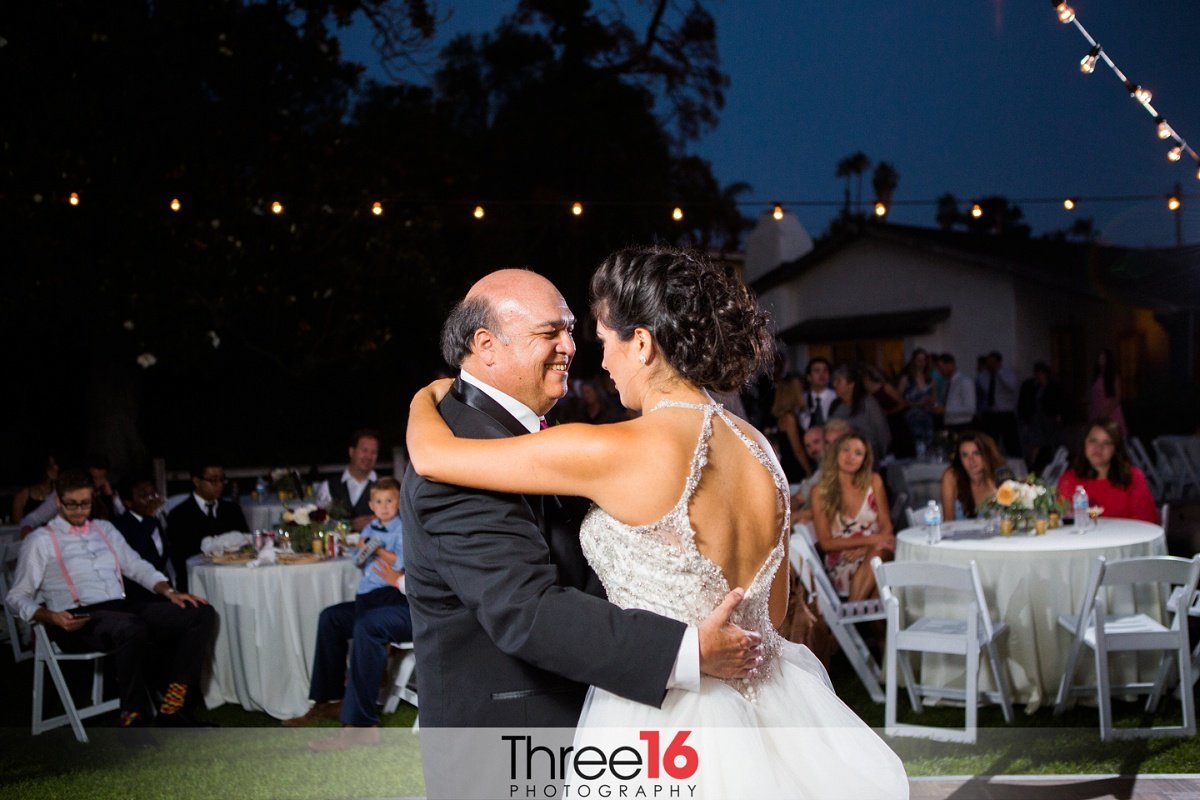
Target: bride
689, 502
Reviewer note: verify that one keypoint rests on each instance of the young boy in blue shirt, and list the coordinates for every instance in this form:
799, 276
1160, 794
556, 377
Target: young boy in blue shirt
377, 616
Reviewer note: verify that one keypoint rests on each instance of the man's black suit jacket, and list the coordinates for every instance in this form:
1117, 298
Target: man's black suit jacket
502, 635
140, 536
187, 525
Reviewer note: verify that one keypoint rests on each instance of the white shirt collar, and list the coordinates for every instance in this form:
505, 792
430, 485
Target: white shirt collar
200, 501
136, 515
523, 413
348, 478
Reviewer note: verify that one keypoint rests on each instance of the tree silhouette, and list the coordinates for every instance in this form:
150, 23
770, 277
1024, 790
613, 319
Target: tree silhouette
884, 182
947, 212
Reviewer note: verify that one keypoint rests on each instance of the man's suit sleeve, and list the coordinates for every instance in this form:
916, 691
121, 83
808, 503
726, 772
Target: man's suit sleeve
493, 557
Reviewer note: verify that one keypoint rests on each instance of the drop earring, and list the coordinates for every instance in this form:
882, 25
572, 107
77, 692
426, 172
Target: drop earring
642, 359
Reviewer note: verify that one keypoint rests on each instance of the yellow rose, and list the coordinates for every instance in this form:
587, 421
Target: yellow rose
1006, 494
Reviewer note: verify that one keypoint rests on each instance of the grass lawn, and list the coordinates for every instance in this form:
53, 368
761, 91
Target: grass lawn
251, 756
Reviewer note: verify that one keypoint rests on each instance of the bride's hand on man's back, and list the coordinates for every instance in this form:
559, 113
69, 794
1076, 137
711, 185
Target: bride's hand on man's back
727, 651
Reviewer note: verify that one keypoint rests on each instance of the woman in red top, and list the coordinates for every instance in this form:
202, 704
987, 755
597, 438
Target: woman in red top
1102, 467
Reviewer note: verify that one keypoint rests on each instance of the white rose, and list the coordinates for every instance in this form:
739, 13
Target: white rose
301, 516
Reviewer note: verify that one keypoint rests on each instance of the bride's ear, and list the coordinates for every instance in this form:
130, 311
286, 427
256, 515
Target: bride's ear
644, 345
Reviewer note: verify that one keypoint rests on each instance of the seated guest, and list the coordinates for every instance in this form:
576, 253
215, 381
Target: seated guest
42, 476
203, 514
377, 616
975, 470
789, 402
817, 439
851, 517
862, 411
107, 503
1102, 467
894, 408
140, 526
78, 568
818, 398
351, 491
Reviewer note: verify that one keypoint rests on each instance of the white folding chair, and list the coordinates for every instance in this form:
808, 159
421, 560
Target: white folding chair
1193, 610
47, 658
402, 674
1174, 455
913, 517
1057, 466
968, 636
840, 615
19, 636
1141, 459
1164, 516
1112, 633
899, 507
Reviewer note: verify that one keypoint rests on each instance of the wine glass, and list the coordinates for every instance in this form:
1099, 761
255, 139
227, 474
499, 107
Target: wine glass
1094, 513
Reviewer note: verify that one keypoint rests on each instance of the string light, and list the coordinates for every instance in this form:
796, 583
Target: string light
377, 208
1138, 92
1088, 64
276, 207
73, 198
777, 213
1173, 203
478, 212
577, 208
677, 214
880, 209
976, 210
175, 204
1069, 204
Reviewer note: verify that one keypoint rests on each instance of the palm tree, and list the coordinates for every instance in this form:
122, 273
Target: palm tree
885, 181
859, 163
845, 168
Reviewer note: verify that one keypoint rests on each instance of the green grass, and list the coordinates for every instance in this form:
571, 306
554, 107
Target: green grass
251, 756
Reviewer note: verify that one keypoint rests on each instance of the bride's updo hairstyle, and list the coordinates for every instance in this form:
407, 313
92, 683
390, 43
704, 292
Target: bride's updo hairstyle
705, 321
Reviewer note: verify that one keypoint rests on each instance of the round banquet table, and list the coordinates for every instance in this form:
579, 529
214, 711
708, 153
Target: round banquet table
265, 514
1027, 582
267, 631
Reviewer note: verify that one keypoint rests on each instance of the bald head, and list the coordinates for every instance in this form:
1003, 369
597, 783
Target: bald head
513, 332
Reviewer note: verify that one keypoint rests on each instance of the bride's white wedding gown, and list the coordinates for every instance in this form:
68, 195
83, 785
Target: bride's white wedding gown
782, 734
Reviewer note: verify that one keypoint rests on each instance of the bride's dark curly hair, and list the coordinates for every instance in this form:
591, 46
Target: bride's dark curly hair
705, 321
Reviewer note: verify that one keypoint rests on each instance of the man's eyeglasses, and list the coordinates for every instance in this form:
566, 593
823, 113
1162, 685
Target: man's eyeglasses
75, 505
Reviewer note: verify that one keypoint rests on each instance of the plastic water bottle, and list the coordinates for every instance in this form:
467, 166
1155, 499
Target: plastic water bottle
260, 489
933, 522
1079, 501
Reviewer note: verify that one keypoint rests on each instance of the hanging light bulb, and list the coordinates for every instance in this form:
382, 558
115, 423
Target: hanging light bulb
478, 212
1069, 204
1139, 93
577, 208
276, 207
976, 210
1173, 203
1065, 12
880, 209
1175, 153
1164, 130
73, 198
777, 213
677, 214
175, 204
377, 208
1088, 64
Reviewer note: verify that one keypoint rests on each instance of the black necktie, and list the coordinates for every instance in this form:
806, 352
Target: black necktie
211, 510
816, 417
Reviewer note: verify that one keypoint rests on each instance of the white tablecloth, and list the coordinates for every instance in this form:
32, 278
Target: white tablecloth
1028, 581
263, 654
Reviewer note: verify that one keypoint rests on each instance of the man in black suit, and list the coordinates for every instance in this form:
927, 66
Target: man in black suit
502, 634
202, 514
139, 525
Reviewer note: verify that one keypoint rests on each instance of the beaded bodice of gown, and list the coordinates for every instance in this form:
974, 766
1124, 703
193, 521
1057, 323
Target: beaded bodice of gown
658, 567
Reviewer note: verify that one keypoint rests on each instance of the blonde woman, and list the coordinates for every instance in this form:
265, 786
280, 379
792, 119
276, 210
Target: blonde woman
851, 517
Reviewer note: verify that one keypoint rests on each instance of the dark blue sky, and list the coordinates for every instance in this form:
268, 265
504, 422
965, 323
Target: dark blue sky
974, 97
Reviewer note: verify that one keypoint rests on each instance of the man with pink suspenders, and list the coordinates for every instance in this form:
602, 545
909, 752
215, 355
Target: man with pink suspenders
71, 578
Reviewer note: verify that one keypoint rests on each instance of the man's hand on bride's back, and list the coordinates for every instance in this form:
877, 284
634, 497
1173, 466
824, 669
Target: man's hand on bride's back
727, 651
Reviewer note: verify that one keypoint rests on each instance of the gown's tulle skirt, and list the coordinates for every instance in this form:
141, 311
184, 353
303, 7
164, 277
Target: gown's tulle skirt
796, 740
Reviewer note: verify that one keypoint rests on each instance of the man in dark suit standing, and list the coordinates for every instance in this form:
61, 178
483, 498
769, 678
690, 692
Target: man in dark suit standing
140, 526
502, 634
202, 514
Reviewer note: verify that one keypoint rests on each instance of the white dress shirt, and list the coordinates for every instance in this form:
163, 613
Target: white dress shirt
356, 487
88, 555
812, 400
156, 536
960, 400
686, 672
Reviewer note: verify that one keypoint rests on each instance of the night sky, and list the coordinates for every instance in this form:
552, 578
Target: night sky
972, 98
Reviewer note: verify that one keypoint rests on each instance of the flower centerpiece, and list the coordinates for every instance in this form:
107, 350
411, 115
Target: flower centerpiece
304, 524
286, 483
1023, 505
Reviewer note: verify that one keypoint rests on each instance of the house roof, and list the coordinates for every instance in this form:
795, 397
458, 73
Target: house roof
865, 326
1159, 279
